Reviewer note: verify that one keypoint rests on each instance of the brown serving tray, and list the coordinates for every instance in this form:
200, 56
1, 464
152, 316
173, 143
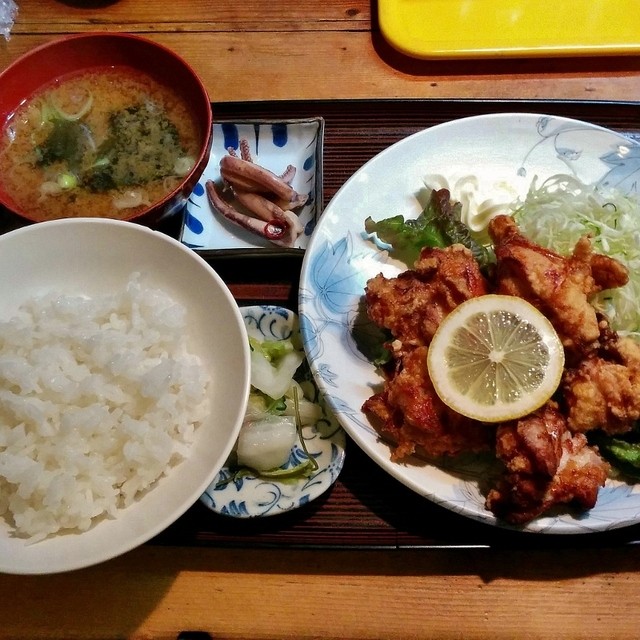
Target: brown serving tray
367, 508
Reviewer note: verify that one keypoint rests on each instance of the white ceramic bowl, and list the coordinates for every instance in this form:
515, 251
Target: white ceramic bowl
94, 256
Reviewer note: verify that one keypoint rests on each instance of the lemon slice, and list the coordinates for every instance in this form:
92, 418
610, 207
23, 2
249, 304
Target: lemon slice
495, 358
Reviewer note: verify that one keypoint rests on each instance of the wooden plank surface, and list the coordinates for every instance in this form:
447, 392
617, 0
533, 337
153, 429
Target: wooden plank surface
303, 595
195, 577
262, 50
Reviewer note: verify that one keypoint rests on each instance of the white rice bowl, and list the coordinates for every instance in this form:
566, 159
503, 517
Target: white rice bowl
167, 471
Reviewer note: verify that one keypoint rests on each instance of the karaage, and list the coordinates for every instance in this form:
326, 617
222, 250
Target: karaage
412, 305
545, 465
558, 286
546, 458
603, 390
409, 413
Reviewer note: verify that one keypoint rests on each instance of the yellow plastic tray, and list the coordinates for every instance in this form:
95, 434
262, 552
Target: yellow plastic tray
510, 28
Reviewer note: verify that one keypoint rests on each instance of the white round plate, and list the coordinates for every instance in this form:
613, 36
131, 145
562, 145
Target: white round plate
248, 496
500, 149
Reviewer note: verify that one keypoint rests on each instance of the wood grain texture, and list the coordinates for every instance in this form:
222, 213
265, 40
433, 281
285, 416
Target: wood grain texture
370, 559
244, 582
245, 595
194, 15
288, 50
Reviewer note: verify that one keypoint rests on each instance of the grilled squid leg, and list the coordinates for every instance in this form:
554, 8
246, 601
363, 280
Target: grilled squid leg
268, 210
267, 197
245, 153
289, 174
244, 175
278, 228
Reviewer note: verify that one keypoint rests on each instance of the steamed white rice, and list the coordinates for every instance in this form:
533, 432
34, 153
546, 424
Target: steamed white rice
99, 397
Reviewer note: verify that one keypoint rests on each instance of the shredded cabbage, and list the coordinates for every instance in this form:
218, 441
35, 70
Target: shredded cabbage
562, 209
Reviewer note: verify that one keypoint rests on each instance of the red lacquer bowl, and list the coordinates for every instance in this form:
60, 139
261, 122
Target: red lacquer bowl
73, 54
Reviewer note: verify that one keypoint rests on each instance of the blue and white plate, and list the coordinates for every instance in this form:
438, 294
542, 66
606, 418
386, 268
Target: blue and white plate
501, 149
249, 496
274, 145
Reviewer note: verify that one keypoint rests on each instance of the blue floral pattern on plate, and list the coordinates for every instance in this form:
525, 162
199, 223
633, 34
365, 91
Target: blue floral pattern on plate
274, 145
501, 148
248, 496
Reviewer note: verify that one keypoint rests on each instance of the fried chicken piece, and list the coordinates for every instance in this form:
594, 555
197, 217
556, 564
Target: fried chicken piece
545, 465
559, 286
603, 390
410, 414
413, 304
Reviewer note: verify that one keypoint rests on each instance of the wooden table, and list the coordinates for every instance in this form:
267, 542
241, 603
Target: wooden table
285, 49
288, 50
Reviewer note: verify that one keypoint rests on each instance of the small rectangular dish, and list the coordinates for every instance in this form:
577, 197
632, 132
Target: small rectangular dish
274, 145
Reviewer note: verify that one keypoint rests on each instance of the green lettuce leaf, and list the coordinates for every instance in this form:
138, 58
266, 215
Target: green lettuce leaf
438, 225
623, 454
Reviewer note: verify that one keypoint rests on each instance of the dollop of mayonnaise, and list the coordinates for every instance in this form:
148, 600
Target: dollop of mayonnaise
481, 198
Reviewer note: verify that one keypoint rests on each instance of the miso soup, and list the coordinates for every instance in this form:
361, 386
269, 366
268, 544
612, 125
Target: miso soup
105, 143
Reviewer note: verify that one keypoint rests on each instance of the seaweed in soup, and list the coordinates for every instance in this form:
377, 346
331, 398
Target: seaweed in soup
143, 145
66, 142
